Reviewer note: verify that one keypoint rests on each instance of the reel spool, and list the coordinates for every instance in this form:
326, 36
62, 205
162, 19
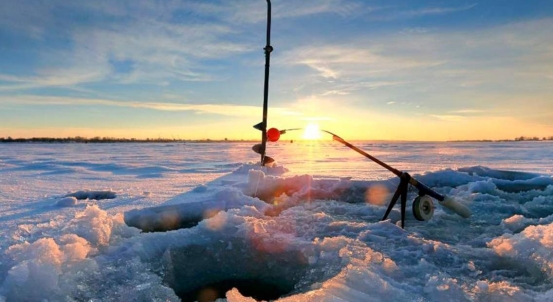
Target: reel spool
423, 208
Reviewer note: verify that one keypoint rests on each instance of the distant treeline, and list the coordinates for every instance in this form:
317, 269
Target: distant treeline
97, 139
516, 139
80, 139
535, 138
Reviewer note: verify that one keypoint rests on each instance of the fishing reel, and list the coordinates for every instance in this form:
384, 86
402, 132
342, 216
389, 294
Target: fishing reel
423, 208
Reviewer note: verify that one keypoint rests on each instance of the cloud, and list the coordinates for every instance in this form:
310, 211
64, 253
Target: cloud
468, 111
391, 13
435, 11
318, 119
218, 109
31, 17
460, 115
357, 58
58, 78
458, 76
443, 69
166, 46
247, 12
144, 32
449, 117
346, 87
162, 51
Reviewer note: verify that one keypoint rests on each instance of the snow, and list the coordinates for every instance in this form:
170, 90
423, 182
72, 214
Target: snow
67, 201
215, 225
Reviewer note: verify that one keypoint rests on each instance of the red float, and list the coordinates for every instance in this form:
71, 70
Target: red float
273, 134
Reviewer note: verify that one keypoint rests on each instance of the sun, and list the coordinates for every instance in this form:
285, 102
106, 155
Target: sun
311, 132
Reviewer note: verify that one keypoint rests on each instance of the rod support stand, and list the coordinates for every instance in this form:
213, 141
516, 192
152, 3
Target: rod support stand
401, 191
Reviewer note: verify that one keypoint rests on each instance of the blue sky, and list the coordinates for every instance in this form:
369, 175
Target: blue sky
408, 70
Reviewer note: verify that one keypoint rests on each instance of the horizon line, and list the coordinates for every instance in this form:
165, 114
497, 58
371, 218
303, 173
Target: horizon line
98, 139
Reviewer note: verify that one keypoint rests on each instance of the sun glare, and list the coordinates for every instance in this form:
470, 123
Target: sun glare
311, 132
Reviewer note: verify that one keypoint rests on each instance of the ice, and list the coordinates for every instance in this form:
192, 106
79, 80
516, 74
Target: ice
74, 248
67, 202
93, 224
36, 273
170, 217
310, 231
234, 295
516, 223
533, 247
52, 268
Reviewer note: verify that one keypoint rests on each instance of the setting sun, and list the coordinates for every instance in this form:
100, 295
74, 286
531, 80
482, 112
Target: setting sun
311, 132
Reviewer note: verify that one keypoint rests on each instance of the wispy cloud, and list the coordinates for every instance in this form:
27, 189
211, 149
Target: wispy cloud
518, 54
218, 109
358, 58
162, 51
246, 11
465, 114
142, 32
58, 78
468, 111
435, 11
341, 87
457, 75
401, 12
449, 117
317, 119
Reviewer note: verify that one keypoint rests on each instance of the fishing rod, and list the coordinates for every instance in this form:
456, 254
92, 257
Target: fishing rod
423, 206
263, 125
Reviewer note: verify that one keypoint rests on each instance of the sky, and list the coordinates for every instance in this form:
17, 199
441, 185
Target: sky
383, 70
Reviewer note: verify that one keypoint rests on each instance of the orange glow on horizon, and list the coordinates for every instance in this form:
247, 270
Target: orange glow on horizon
358, 126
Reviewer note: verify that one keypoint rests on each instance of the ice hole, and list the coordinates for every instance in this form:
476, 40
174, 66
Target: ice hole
206, 273
255, 288
168, 218
97, 195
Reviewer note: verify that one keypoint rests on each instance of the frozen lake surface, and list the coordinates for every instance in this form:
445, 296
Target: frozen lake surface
63, 209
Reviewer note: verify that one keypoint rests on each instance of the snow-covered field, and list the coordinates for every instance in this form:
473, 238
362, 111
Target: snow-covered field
64, 206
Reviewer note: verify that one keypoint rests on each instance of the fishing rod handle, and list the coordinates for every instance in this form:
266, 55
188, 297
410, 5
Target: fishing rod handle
446, 201
457, 207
